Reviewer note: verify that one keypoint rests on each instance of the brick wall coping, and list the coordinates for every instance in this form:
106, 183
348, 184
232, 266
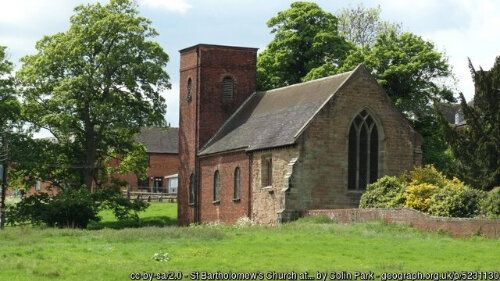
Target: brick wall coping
457, 227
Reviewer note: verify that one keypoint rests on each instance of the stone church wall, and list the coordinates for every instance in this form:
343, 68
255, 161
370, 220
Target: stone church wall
320, 174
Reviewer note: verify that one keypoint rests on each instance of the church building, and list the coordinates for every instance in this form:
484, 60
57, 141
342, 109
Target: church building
273, 155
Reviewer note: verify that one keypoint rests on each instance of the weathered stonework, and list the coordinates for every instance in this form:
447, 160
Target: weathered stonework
268, 202
320, 175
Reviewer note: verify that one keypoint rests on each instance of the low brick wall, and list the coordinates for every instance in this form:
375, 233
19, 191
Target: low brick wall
458, 227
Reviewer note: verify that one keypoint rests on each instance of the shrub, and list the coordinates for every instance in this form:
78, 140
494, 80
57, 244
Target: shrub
72, 207
384, 193
418, 195
425, 174
490, 205
456, 201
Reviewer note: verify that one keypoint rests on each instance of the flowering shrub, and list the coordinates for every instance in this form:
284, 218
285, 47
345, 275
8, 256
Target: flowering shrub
418, 196
428, 190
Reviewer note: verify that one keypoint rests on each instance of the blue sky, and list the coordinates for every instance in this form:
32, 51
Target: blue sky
460, 28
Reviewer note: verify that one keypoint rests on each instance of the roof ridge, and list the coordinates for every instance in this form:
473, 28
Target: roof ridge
349, 76
310, 81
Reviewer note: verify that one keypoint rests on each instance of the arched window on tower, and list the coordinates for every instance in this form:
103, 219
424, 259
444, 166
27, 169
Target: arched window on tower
363, 152
189, 96
227, 89
216, 187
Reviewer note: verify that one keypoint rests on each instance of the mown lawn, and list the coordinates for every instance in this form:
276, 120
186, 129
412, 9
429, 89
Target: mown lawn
311, 244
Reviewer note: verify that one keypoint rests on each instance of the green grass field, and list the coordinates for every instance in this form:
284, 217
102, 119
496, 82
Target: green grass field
311, 244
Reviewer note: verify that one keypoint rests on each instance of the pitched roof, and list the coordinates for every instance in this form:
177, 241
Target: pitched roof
160, 140
274, 118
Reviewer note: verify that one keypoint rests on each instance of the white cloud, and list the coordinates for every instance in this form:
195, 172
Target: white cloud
477, 39
29, 12
172, 100
461, 28
178, 6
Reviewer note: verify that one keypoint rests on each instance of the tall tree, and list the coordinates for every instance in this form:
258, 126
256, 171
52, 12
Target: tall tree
409, 68
9, 113
362, 25
477, 145
306, 40
95, 85
413, 73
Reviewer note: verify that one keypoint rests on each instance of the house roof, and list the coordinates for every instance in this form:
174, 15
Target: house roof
276, 117
160, 140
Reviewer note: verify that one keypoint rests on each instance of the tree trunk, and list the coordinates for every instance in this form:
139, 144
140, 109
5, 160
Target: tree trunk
4, 193
90, 151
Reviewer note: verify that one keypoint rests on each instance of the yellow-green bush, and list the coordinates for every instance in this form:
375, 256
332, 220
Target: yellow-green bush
384, 193
418, 195
425, 174
456, 201
490, 205
428, 190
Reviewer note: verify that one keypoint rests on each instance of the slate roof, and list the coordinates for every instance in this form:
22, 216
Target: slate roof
274, 118
160, 140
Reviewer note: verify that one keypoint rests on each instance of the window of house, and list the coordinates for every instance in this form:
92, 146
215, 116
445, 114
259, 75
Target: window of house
142, 183
217, 186
237, 189
267, 171
363, 152
189, 96
227, 88
172, 185
158, 184
192, 189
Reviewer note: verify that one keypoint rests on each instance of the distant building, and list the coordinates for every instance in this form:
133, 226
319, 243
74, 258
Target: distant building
162, 147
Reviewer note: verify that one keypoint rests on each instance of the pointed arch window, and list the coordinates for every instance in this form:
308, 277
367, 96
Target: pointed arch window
363, 152
227, 88
216, 186
237, 188
189, 96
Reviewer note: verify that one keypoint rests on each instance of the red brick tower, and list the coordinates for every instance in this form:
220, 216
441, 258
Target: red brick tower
214, 82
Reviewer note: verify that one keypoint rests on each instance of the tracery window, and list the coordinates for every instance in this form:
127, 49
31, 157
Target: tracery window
363, 152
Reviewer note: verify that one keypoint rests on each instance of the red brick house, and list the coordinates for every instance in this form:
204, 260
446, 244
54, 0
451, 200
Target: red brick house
273, 155
162, 147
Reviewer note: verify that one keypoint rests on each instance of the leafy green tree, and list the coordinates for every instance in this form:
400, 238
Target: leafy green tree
9, 105
9, 114
477, 145
94, 86
306, 40
362, 25
413, 73
409, 68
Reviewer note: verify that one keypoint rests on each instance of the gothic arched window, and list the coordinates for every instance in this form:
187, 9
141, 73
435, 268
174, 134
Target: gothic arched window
237, 189
216, 186
227, 88
363, 152
189, 89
